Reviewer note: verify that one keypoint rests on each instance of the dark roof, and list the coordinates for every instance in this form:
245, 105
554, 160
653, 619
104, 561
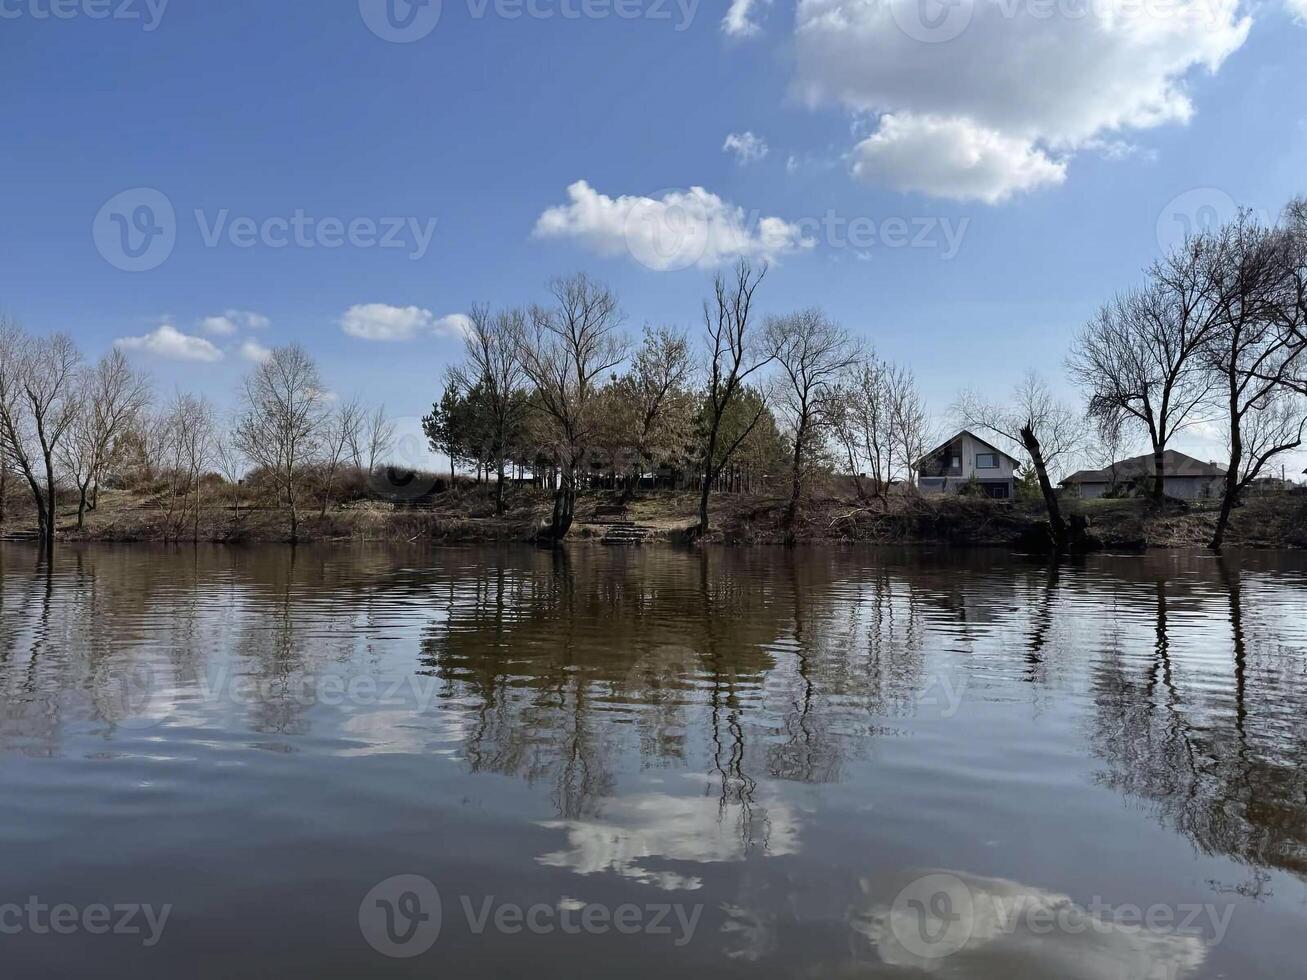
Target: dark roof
1173, 464
967, 432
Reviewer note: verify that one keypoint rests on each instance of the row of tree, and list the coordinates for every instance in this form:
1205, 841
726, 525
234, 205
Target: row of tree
555, 393
77, 426
1218, 332
1216, 336
756, 400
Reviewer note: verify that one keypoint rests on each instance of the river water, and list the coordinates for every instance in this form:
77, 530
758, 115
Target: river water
503, 761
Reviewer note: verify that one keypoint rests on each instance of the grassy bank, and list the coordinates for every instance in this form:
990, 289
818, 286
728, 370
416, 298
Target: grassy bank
467, 515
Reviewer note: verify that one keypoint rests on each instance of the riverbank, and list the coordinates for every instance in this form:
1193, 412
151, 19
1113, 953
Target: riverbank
467, 515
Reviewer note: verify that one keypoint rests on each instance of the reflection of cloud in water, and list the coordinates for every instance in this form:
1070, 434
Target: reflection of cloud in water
648, 828
1006, 932
402, 731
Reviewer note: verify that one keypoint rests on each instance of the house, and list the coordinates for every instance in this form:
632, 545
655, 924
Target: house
1182, 476
951, 466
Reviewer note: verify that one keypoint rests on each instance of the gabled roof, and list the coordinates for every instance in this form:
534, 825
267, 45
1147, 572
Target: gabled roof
1137, 467
1016, 463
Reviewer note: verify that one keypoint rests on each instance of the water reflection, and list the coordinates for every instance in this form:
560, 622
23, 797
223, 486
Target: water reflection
780, 731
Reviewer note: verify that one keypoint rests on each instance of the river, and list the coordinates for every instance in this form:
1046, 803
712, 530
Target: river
504, 761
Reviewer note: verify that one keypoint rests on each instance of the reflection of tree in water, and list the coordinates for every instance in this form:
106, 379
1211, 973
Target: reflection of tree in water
771, 665
561, 662
106, 632
1221, 758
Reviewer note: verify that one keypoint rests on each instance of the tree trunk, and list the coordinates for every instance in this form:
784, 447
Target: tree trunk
796, 478
1159, 481
81, 508
564, 506
857, 477
51, 501
499, 491
294, 515
1055, 521
708, 477
1231, 496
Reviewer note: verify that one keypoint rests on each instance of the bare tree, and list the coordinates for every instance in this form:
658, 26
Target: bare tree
733, 355
38, 405
880, 420
341, 430
495, 369
813, 353
187, 434
281, 426
649, 395
909, 422
1254, 352
112, 397
858, 420
375, 438
229, 460
565, 351
1111, 441
1140, 359
1045, 429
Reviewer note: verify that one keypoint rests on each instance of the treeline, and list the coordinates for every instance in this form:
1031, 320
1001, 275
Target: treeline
66, 425
560, 395
559, 392
1217, 333
1215, 336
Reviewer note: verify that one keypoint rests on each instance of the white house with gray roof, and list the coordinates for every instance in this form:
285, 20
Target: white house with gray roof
952, 465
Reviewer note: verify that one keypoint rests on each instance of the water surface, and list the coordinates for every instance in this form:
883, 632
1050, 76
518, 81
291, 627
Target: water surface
746, 763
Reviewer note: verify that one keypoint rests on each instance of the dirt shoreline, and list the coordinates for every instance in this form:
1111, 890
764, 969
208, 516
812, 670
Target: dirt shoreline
468, 517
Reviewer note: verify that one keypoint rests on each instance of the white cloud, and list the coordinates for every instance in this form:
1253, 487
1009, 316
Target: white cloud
233, 321
169, 342
676, 230
1036, 81
740, 20
379, 321
749, 148
952, 158
1298, 8
639, 834
255, 352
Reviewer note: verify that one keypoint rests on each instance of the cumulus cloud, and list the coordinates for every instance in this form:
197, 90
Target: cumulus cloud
233, 321
255, 352
1298, 8
675, 230
170, 343
1011, 82
741, 18
379, 321
749, 148
952, 158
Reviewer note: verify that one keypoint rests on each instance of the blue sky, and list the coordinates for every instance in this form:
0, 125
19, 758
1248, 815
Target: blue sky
1036, 157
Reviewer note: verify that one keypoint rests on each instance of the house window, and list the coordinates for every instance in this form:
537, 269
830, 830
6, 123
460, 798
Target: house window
986, 461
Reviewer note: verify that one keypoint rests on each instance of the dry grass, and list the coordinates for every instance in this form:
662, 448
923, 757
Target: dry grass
467, 513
